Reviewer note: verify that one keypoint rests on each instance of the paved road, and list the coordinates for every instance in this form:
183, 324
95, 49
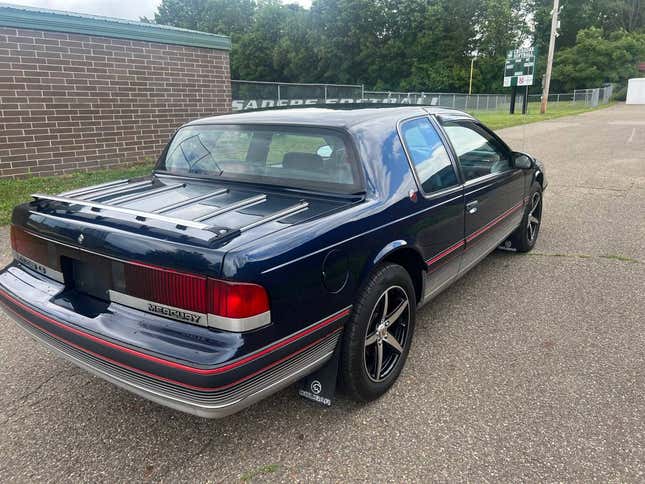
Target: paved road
530, 368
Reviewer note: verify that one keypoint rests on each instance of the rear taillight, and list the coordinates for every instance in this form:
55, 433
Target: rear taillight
236, 300
166, 286
232, 306
28, 246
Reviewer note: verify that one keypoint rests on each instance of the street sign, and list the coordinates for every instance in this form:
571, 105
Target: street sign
520, 67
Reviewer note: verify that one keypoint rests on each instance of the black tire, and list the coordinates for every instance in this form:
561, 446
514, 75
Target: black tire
359, 358
526, 235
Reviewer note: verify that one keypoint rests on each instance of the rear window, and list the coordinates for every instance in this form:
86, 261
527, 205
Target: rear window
292, 156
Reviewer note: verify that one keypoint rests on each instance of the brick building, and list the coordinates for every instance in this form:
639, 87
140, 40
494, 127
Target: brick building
80, 92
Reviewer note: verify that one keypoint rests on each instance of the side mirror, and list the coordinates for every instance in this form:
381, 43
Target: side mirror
325, 151
522, 160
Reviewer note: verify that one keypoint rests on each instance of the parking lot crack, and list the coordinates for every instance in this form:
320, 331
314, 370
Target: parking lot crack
37, 388
604, 189
614, 257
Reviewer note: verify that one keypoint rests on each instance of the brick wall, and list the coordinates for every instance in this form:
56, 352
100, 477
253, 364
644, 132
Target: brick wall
72, 102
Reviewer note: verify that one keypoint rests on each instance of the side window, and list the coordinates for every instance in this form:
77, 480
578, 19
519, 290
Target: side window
428, 155
479, 153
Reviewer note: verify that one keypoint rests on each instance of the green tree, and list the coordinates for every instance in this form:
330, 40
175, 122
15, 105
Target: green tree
501, 26
277, 46
414, 44
577, 15
226, 17
348, 36
440, 54
597, 58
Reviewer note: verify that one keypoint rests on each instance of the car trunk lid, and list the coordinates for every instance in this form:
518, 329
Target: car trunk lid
166, 231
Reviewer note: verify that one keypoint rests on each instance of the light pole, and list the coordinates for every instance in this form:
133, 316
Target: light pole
470, 85
549, 62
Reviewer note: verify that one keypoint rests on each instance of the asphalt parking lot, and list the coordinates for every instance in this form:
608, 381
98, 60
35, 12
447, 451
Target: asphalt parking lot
530, 368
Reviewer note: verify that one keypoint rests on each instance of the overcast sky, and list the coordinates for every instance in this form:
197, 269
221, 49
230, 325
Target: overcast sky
130, 9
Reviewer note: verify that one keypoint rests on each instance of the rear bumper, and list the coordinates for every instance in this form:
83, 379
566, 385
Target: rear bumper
207, 391
214, 404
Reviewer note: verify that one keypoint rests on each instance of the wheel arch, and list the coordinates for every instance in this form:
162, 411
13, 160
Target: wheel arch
539, 177
410, 258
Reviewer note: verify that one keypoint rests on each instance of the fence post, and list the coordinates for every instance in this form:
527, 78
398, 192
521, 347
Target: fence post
325, 93
454, 101
278, 93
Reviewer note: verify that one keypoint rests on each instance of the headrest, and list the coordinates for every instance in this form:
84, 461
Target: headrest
302, 161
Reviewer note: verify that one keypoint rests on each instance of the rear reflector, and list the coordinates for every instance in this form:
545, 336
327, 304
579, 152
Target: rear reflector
31, 247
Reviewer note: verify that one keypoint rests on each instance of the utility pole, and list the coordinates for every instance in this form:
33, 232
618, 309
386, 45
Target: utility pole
470, 86
549, 62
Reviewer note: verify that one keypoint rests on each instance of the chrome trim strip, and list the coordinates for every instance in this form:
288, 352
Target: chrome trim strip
127, 188
234, 325
190, 201
484, 187
280, 266
292, 210
140, 215
159, 309
494, 177
38, 267
247, 202
147, 193
239, 325
93, 188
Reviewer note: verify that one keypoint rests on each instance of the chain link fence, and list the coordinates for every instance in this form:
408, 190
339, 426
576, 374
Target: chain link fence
461, 101
250, 95
587, 97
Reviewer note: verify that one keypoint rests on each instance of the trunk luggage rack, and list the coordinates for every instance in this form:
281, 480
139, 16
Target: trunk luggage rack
127, 192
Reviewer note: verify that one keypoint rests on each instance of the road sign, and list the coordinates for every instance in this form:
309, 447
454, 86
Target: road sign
520, 67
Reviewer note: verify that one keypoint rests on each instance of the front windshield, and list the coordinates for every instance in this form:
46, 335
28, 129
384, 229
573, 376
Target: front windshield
292, 156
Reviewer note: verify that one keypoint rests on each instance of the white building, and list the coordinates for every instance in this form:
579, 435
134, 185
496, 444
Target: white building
636, 91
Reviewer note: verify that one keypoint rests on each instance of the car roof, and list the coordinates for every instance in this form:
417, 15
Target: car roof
341, 116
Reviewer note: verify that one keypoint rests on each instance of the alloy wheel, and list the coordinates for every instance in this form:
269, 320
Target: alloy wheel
535, 212
387, 333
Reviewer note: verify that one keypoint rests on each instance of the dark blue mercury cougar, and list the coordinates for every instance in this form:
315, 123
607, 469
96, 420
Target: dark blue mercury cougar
264, 244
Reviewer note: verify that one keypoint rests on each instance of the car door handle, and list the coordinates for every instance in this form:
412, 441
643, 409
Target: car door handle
471, 207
